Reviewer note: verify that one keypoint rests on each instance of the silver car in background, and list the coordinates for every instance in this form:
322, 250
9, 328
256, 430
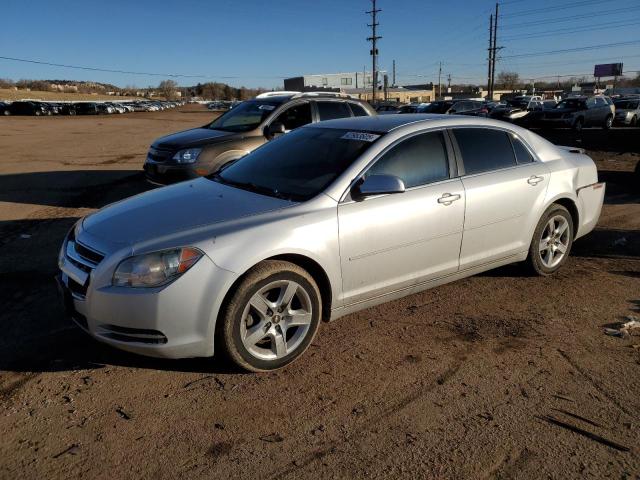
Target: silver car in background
327, 220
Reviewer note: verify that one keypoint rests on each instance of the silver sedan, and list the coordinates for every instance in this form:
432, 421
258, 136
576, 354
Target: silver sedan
327, 220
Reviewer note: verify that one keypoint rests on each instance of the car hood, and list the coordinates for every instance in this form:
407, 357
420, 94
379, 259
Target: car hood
177, 208
193, 138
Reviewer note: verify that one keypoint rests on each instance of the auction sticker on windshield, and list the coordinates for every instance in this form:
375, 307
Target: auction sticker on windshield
362, 136
266, 107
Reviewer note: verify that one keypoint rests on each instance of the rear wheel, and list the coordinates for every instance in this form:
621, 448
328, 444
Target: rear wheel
578, 125
608, 122
272, 317
552, 241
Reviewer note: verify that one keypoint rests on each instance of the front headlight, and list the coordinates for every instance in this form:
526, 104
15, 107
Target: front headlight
190, 155
155, 269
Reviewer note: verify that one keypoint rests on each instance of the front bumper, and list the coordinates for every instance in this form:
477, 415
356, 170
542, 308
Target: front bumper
173, 321
165, 174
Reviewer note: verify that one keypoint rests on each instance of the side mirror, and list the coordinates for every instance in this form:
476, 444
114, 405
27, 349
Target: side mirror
377, 185
276, 128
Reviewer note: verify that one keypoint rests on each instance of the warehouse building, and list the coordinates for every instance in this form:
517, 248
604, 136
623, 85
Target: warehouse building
332, 81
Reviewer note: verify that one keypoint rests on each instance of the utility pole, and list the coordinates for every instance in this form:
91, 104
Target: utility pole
393, 84
440, 80
490, 49
495, 49
449, 81
374, 50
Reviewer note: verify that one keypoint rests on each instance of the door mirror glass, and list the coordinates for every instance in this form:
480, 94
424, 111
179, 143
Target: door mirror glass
378, 185
275, 129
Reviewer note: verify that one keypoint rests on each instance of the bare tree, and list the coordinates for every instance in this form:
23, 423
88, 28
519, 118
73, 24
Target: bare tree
508, 80
168, 89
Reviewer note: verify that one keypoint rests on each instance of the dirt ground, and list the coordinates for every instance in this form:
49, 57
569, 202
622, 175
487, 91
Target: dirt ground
501, 375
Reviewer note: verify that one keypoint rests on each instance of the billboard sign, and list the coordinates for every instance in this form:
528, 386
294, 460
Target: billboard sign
607, 70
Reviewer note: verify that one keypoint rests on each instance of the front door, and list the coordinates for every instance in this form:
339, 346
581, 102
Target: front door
389, 242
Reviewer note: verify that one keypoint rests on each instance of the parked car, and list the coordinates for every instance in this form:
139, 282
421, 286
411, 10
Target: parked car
201, 151
27, 108
388, 109
476, 108
518, 109
330, 219
580, 112
86, 108
627, 111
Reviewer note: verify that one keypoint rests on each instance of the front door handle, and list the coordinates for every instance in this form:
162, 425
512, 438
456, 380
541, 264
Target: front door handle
448, 198
534, 180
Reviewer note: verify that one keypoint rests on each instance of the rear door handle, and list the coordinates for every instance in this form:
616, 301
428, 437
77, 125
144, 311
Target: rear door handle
534, 180
448, 198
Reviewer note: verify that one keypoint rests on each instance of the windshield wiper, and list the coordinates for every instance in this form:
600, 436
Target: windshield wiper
252, 187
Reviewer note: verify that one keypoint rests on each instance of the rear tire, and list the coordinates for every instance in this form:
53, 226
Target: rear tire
578, 125
552, 241
271, 318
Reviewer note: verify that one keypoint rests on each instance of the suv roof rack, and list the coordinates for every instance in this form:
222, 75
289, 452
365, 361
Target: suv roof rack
277, 94
321, 94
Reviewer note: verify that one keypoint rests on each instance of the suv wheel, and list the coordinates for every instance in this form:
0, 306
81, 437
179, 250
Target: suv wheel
272, 317
552, 241
634, 121
608, 122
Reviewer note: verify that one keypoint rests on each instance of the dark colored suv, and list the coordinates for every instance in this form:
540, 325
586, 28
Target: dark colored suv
204, 150
579, 112
474, 108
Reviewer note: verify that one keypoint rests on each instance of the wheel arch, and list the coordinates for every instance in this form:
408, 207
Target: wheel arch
314, 269
570, 205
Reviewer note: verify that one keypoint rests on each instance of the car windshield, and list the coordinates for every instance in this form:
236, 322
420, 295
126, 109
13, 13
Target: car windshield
571, 103
299, 165
627, 104
518, 102
437, 107
244, 117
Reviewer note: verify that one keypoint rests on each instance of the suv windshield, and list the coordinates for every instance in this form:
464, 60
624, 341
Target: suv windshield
571, 103
244, 117
518, 102
437, 107
298, 165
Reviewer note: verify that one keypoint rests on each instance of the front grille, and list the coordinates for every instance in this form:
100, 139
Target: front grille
132, 335
84, 258
159, 155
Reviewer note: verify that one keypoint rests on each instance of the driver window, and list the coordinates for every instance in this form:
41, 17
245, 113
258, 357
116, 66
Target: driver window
296, 116
591, 102
417, 161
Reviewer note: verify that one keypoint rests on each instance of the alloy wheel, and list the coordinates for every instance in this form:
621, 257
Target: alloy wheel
554, 241
276, 320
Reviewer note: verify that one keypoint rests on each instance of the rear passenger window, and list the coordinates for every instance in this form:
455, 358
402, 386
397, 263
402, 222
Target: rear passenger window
331, 110
484, 149
358, 110
522, 154
419, 160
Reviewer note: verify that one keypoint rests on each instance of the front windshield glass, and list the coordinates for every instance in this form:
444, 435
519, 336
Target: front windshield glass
244, 117
299, 165
518, 102
627, 104
437, 107
570, 103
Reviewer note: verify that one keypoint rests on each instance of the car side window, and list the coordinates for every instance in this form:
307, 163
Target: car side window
296, 116
358, 110
331, 110
591, 102
418, 160
522, 154
484, 149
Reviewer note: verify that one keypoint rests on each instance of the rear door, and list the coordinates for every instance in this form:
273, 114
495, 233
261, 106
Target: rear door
505, 188
389, 242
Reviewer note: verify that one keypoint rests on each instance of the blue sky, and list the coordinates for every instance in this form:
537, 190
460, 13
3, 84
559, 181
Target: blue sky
257, 43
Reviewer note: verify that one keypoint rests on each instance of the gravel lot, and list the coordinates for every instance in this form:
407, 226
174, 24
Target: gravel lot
501, 375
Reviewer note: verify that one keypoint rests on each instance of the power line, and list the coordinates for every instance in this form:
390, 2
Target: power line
560, 7
546, 21
584, 28
568, 50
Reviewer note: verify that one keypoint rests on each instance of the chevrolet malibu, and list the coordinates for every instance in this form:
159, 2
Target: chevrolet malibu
330, 219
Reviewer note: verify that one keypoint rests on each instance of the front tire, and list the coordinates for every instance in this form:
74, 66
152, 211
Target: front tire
271, 318
552, 241
578, 124
608, 123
